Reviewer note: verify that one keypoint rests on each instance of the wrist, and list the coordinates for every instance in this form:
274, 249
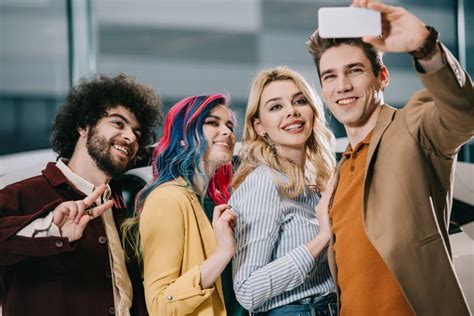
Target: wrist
429, 46
224, 254
317, 244
324, 236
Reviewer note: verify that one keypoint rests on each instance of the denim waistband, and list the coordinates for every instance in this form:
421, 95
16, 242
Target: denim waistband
309, 306
315, 300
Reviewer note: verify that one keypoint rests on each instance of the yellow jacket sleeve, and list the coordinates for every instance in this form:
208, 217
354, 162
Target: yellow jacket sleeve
169, 289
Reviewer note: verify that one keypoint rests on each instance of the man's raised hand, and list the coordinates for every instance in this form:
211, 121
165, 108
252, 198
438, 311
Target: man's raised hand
72, 216
402, 31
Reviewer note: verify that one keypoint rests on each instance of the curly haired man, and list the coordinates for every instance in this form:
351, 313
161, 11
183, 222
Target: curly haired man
60, 250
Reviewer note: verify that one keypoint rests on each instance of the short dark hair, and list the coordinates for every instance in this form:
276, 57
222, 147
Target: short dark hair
88, 102
317, 45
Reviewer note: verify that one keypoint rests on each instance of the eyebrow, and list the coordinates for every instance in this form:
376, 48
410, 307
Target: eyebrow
349, 66
124, 119
119, 116
355, 65
297, 94
219, 118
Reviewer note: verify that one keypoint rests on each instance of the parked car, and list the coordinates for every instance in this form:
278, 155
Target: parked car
16, 167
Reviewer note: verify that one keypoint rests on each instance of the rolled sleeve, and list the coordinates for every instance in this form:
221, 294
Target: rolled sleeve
303, 260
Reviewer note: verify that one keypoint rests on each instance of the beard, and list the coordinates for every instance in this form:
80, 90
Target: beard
100, 151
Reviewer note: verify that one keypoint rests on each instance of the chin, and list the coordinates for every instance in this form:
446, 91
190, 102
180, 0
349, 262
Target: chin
224, 159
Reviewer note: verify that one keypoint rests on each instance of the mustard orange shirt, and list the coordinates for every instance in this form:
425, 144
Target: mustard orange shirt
367, 285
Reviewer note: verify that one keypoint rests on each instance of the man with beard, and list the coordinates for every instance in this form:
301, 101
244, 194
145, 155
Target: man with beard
60, 249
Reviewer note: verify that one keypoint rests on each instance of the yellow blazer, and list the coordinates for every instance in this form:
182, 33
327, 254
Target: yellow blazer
176, 238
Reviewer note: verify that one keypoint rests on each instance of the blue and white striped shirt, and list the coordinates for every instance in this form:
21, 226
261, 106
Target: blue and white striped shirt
272, 266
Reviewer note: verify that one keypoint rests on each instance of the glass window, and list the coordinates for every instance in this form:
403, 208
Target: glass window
34, 75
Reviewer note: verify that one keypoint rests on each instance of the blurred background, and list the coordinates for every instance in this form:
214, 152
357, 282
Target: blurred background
181, 47
187, 47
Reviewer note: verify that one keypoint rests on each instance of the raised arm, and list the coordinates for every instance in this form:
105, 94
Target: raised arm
441, 118
402, 31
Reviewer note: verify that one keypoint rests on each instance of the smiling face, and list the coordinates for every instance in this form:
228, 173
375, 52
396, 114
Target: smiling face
218, 129
113, 142
285, 116
349, 86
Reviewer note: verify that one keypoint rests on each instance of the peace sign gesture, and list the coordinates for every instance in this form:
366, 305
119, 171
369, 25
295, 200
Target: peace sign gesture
72, 216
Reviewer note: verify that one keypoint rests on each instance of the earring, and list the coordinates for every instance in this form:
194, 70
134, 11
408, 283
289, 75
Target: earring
270, 144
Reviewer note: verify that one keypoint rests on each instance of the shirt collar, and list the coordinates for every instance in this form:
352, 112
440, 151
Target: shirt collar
79, 182
359, 146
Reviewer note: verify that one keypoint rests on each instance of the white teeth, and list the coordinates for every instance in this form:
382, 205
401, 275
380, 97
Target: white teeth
121, 149
293, 127
222, 144
346, 101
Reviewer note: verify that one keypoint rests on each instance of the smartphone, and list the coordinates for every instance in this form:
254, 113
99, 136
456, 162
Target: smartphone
348, 22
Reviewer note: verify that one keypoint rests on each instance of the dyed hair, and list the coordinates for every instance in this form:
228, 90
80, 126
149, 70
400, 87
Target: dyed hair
317, 46
256, 150
182, 146
178, 154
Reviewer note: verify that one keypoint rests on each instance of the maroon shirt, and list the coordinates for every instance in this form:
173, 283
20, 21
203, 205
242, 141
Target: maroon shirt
50, 275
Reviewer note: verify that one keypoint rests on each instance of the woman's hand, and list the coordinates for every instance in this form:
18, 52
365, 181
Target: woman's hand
317, 244
223, 222
322, 209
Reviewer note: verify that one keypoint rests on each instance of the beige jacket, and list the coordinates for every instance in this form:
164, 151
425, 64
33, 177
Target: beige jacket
408, 188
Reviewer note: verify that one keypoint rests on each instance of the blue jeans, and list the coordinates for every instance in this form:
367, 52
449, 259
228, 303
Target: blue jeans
310, 306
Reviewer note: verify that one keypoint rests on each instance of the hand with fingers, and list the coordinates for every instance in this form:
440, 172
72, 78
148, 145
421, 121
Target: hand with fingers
322, 210
318, 243
402, 31
72, 216
223, 222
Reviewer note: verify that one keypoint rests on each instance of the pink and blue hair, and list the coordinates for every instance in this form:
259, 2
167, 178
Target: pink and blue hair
182, 146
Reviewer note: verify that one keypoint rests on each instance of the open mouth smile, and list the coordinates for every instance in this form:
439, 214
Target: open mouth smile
223, 144
347, 101
122, 149
294, 127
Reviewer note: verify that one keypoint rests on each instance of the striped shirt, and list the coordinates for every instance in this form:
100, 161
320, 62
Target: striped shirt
272, 266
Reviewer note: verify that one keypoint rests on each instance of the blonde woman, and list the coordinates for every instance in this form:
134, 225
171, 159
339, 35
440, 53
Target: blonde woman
280, 267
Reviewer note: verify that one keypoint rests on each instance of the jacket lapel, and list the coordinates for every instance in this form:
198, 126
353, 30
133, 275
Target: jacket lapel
205, 229
383, 121
207, 235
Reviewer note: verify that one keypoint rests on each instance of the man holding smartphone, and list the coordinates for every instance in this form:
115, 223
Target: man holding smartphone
390, 210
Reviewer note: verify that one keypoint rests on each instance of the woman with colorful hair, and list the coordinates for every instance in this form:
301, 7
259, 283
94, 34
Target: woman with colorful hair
183, 255
280, 267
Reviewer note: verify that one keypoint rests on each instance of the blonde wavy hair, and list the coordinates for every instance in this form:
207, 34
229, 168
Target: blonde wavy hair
257, 150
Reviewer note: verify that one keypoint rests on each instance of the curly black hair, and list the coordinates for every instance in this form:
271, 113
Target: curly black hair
89, 101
